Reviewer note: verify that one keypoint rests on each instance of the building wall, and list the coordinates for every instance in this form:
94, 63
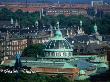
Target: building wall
97, 3
12, 47
40, 40
66, 11
73, 71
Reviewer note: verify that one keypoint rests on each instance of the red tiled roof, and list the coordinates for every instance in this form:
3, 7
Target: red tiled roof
29, 9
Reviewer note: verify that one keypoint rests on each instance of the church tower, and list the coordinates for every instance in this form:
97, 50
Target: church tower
80, 31
96, 33
16, 24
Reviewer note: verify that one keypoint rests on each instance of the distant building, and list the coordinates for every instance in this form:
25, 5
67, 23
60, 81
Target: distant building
66, 11
96, 3
105, 9
12, 46
50, 9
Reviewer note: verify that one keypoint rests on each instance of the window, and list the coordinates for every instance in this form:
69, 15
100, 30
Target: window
62, 54
57, 53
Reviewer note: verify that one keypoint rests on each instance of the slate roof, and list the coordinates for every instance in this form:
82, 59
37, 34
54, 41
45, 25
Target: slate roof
82, 38
82, 64
6, 23
106, 37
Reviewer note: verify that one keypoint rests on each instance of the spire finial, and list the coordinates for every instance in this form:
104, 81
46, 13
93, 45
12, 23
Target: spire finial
95, 28
58, 32
81, 23
58, 25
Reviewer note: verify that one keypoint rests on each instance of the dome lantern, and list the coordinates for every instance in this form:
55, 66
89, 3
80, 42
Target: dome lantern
58, 34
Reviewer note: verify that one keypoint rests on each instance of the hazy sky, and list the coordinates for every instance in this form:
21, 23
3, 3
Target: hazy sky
74, 1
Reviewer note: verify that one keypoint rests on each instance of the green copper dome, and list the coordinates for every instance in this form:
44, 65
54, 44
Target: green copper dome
58, 42
58, 36
58, 46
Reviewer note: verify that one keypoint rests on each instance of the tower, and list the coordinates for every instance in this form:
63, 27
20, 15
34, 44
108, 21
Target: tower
16, 23
96, 33
12, 21
42, 12
80, 31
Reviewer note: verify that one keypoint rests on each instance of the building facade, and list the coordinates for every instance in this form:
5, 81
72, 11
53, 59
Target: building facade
66, 11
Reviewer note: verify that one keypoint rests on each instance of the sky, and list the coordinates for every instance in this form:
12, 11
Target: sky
74, 1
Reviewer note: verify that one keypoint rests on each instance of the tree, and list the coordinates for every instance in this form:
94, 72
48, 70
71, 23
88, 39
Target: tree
5, 14
60, 78
34, 50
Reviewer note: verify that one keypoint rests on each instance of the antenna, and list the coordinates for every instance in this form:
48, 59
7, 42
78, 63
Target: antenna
58, 2
40, 14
